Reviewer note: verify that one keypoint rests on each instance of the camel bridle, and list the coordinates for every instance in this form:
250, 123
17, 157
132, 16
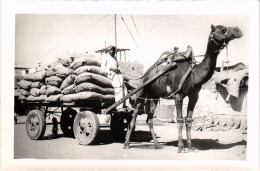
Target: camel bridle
223, 37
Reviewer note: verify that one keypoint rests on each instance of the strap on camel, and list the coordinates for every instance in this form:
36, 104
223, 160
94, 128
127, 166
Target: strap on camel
188, 53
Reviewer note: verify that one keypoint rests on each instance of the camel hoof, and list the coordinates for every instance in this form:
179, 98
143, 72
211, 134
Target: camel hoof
193, 150
126, 147
158, 147
182, 150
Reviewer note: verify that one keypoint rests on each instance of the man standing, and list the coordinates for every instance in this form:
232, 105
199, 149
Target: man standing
110, 65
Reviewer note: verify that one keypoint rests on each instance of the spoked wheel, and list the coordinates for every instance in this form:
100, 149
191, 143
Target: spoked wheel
86, 127
35, 124
118, 127
66, 121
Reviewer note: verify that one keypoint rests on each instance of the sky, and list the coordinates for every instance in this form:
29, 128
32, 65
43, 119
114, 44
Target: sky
42, 38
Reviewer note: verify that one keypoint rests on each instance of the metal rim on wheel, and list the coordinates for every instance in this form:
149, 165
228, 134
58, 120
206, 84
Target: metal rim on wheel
86, 127
35, 124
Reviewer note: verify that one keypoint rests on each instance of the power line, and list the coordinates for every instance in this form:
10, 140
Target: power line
129, 31
136, 29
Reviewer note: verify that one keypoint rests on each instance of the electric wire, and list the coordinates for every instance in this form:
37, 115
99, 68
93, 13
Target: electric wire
129, 31
136, 29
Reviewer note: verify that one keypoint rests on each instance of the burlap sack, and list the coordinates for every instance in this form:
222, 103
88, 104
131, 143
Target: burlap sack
82, 96
54, 81
69, 90
35, 92
243, 124
43, 90
25, 84
68, 81
65, 62
50, 73
23, 92
36, 99
93, 88
52, 90
21, 97
94, 78
63, 72
92, 69
36, 84
85, 61
68, 98
54, 98
37, 76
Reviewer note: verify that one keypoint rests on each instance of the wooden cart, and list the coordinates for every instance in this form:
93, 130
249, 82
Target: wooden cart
84, 125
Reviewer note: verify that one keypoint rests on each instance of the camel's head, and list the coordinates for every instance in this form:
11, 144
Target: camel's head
222, 34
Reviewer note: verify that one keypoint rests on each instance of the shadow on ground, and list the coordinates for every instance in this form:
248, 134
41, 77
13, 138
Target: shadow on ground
207, 144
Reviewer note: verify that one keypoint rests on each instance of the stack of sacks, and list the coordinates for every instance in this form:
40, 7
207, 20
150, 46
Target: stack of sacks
55, 75
32, 87
66, 81
87, 82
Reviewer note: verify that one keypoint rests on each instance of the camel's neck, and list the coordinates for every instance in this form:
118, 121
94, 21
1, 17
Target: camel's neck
205, 70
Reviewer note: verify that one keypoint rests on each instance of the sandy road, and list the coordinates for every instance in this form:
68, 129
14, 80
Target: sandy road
230, 145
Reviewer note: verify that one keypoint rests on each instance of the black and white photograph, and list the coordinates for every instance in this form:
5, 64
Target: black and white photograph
123, 86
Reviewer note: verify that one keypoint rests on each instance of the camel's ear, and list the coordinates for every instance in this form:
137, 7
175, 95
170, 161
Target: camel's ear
213, 27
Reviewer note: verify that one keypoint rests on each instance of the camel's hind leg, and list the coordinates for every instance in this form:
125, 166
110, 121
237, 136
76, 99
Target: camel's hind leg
180, 122
132, 125
149, 122
188, 121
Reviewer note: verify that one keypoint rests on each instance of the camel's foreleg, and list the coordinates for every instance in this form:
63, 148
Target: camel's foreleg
188, 121
149, 122
132, 125
180, 122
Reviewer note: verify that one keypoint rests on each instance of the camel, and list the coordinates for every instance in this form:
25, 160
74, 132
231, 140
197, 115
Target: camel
169, 86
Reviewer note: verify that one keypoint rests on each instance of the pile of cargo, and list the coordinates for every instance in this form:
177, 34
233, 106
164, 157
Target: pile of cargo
220, 123
79, 78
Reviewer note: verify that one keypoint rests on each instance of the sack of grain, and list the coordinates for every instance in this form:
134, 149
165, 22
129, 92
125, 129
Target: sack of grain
54, 81
37, 76
68, 98
65, 62
52, 90
36, 84
69, 90
93, 88
22, 97
25, 84
68, 81
36, 99
54, 98
92, 69
82, 61
63, 72
50, 73
35, 92
82, 96
43, 90
23, 92
94, 78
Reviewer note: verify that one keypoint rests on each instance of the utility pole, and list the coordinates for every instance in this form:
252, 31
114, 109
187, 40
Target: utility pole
115, 38
115, 33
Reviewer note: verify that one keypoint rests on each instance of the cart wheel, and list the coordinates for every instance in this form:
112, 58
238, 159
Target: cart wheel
86, 127
118, 128
66, 121
35, 124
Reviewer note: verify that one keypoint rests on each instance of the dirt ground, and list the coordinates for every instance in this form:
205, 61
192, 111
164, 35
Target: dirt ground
219, 145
